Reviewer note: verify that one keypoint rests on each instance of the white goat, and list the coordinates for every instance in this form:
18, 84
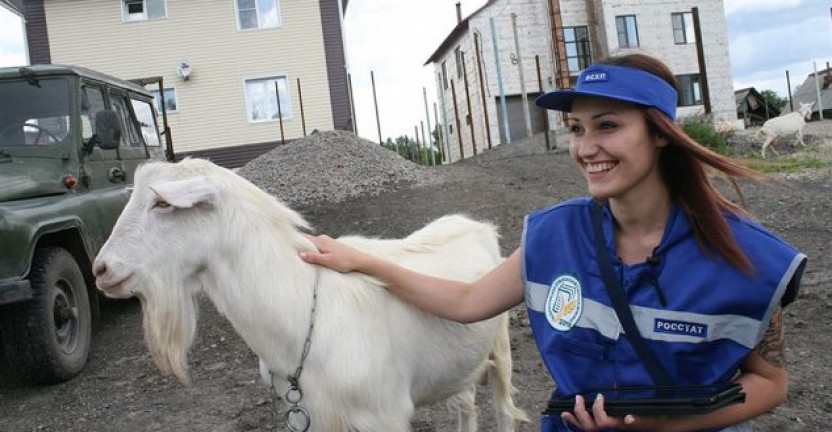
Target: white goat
789, 124
373, 359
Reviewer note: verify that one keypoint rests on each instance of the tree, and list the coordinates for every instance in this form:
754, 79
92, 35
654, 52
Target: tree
773, 99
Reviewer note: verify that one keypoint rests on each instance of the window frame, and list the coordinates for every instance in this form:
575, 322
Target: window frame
586, 57
155, 92
626, 19
125, 15
286, 111
689, 85
278, 10
683, 35
444, 74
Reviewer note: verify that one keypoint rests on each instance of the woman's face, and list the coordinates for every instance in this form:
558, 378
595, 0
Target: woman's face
613, 148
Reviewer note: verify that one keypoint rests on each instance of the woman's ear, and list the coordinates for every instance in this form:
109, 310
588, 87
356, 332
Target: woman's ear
660, 140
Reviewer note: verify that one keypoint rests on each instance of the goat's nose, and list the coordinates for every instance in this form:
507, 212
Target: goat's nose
99, 268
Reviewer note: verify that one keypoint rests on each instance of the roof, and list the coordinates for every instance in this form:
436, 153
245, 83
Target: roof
807, 91
54, 70
743, 96
460, 29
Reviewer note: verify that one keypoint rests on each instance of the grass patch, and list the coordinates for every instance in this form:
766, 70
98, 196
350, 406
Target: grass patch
785, 164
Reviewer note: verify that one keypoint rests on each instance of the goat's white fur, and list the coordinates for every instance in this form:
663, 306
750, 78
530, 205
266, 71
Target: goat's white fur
194, 227
789, 124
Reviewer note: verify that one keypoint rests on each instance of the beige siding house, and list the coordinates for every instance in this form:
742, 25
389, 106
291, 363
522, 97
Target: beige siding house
509, 49
220, 59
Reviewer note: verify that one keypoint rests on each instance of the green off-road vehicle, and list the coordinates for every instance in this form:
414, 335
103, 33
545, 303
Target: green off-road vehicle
70, 141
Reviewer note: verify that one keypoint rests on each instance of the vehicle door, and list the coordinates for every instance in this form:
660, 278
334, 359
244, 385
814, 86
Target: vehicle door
132, 149
101, 166
103, 171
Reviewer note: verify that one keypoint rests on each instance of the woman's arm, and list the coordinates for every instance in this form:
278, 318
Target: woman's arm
763, 378
497, 291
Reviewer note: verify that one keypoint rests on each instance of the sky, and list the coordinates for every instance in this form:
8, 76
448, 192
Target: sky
393, 39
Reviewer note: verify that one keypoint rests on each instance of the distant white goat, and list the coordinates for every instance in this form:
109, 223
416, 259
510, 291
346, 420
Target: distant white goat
195, 227
789, 124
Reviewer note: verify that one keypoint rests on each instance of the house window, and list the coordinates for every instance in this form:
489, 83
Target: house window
458, 54
171, 103
445, 75
143, 10
691, 91
258, 14
261, 100
578, 55
627, 31
683, 28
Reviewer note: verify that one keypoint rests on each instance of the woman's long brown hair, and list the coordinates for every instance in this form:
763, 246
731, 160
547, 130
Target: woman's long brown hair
683, 165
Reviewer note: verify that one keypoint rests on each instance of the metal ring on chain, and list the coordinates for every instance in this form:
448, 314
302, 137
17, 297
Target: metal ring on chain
294, 413
294, 395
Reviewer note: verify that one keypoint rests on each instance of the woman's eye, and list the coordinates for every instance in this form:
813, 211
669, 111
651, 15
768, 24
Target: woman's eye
607, 125
574, 129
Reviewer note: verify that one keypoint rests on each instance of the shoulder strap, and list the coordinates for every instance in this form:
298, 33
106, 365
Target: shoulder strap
622, 307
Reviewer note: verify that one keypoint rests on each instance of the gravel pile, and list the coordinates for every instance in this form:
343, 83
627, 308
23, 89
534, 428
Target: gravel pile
331, 166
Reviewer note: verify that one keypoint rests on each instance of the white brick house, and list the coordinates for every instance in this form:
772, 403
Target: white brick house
563, 37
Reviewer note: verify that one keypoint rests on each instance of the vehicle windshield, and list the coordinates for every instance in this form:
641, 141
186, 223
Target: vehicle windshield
34, 112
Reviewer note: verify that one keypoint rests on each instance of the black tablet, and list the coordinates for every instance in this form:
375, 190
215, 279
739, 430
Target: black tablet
672, 400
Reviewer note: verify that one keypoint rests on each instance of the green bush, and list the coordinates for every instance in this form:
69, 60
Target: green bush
702, 130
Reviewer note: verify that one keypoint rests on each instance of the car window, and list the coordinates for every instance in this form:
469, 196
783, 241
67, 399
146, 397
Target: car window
34, 113
147, 122
130, 137
92, 101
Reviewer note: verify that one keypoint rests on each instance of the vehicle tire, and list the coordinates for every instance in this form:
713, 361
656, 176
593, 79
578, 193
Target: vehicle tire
47, 338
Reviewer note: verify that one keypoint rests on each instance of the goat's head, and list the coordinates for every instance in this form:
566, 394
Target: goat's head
179, 220
806, 109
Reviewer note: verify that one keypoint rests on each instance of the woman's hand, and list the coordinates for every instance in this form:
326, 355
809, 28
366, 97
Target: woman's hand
598, 418
334, 254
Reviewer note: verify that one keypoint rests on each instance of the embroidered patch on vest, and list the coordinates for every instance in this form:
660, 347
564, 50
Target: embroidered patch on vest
564, 303
680, 328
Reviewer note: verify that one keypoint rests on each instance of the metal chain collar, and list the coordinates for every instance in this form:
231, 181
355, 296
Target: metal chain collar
297, 417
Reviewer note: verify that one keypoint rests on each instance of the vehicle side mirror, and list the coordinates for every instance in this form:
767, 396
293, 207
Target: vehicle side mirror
107, 129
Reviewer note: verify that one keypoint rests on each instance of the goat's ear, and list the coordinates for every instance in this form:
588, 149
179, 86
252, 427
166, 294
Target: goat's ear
186, 193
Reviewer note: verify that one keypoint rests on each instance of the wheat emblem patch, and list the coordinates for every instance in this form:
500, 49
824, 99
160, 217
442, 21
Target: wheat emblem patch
564, 303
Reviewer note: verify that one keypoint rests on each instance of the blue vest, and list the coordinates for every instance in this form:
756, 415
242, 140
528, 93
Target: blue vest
697, 313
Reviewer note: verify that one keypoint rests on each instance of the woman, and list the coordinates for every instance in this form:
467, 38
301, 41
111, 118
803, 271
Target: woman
706, 283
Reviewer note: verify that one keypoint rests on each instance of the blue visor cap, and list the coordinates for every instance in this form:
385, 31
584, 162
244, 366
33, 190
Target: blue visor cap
615, 82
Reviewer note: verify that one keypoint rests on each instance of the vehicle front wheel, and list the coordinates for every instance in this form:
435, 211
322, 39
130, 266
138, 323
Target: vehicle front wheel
47, 338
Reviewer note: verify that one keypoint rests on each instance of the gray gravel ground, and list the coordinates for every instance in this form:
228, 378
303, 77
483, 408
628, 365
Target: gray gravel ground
121, 389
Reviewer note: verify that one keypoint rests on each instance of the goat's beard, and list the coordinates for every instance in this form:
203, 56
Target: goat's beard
169, 318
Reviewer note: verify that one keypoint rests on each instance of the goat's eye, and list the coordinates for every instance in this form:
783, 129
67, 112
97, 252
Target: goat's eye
161, 204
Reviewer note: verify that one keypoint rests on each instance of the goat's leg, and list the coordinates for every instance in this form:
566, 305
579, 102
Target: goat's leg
465, 405
769, 142
499, 374
800, 137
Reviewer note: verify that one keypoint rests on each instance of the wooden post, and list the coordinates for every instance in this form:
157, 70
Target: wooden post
302, 116
375, 101
470, 116
456, 114
482, 90
543, 110
703, 68
279, 112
